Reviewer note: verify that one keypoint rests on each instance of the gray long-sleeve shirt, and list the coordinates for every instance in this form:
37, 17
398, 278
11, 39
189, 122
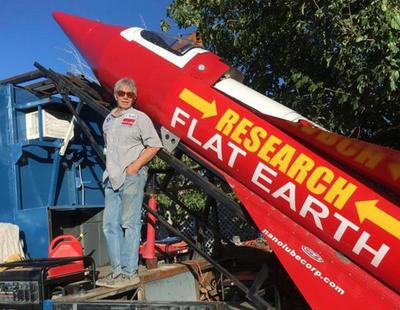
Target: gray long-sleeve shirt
125, 137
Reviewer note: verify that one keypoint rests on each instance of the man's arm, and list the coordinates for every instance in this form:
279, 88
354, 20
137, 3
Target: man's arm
148, 153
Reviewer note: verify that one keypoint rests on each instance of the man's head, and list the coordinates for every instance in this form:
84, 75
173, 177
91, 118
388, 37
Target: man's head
125, 93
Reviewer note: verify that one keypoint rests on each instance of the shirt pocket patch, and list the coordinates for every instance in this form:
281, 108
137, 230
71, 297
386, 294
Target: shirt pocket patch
127, 121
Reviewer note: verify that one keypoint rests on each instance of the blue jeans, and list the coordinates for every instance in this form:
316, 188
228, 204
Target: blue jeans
122, 222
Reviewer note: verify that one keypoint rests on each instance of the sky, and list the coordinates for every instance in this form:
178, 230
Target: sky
29, 33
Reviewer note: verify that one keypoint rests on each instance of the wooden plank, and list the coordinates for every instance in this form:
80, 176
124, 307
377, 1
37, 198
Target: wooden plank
169, 270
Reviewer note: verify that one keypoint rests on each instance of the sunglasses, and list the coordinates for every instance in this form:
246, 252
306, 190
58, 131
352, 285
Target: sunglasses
129, 94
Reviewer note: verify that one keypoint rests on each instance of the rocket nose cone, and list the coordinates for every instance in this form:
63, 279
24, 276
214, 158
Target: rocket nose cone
89, 36
74, 26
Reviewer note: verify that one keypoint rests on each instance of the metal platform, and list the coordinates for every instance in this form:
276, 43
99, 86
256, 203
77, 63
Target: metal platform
168, 281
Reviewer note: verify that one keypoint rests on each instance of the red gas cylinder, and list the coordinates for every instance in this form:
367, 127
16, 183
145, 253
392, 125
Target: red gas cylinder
65, 246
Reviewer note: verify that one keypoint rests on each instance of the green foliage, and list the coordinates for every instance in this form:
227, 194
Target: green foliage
190, 195
336, 62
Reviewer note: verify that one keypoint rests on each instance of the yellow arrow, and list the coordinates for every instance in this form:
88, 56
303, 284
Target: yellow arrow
208, 109
368, 210
394, 169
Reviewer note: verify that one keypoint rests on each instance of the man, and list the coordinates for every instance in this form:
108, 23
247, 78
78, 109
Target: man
131, 142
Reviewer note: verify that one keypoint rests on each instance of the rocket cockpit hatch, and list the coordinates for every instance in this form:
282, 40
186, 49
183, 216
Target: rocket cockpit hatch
178, 51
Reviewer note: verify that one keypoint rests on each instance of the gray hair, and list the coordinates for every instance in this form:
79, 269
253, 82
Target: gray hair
127, 82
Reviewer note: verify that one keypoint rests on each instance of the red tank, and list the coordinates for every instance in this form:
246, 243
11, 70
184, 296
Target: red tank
65, 246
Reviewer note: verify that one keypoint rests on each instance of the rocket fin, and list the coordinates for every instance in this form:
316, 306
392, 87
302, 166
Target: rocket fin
316, 268
329, 274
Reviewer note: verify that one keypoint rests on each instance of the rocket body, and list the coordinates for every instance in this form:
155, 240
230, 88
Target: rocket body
298, 174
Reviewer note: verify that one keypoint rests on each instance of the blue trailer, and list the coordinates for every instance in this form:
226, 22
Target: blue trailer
50, 184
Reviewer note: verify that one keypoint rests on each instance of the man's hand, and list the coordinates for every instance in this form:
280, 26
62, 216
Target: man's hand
133, 168
143, 159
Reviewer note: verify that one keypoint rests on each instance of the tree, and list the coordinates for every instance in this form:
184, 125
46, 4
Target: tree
336, 62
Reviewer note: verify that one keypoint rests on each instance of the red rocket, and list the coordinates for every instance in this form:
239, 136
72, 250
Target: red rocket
328, 205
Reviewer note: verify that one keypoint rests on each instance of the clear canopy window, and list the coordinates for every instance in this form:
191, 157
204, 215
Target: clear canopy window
177, 45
